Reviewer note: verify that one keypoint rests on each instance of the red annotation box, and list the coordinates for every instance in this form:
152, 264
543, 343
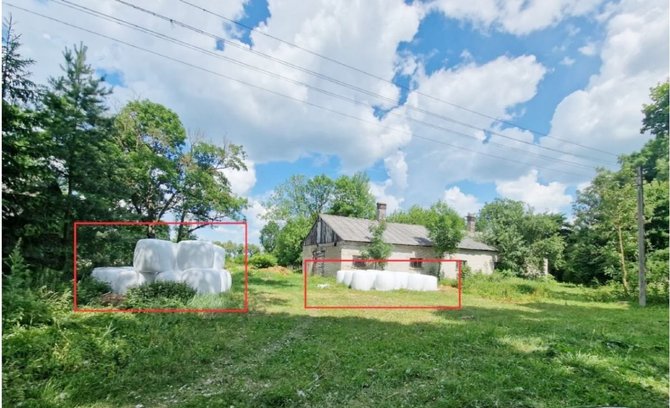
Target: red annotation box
458, 262
243, 224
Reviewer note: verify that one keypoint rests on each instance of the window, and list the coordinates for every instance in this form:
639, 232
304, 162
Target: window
416, 263
358, 264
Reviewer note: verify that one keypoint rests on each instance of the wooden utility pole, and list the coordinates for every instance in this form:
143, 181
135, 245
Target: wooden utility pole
640, 239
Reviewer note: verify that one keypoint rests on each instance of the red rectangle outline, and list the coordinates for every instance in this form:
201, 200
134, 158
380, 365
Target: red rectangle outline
76, 308
460, 285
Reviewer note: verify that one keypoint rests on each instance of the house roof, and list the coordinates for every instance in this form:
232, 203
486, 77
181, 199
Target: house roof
358, 230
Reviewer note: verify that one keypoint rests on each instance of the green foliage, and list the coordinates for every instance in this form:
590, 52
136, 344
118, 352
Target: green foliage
269, 234
414, 215
523, 238
263, 260
89, 290
352, 197
307, 198
159, 295
445, 228
378, 248
290, 239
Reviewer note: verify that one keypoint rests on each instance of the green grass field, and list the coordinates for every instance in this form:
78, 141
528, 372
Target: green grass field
514, 344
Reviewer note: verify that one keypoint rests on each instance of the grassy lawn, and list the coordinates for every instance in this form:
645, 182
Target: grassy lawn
514, 344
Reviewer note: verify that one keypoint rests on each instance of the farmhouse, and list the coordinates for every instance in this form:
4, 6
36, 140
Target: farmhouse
336, 237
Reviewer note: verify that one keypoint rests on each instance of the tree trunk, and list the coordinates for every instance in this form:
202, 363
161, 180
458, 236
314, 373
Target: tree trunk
180, 230
624, 273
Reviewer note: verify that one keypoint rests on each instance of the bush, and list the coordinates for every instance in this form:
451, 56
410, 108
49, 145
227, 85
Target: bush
159, 294
264, 260
89, 290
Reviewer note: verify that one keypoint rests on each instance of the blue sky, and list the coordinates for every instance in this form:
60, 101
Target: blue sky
575, 72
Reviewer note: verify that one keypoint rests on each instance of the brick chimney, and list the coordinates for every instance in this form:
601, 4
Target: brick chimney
381, 211
470, 223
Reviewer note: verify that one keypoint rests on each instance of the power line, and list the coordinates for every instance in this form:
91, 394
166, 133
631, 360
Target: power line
342, 83
371, 75
283, 95
145, 30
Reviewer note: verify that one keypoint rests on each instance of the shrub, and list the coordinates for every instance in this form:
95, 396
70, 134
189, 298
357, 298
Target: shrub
159, 294
89, 290
264, 260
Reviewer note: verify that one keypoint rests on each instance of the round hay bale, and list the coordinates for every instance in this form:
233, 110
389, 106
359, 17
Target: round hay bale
203, 280
346, 277
219, 257
339, 276
125, 280
401, 279
154, 256
195, 254
385, 281
363, 280
415, 281
109, 274
429, 283
170, 276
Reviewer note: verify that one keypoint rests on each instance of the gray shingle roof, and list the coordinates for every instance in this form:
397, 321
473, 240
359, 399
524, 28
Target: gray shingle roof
358, 230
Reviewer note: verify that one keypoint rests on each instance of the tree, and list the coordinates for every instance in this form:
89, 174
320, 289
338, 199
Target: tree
352, 197
300, 197
83, 156
167, 173
269, 234
378, 248
445, 230
414, 215
523, 239
26, 179
290, 239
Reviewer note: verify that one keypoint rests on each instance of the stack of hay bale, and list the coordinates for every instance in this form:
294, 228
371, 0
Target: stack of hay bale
199, 264
386, 280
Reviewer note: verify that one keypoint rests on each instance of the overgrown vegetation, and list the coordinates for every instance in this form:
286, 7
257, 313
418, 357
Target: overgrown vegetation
159, 295
557, 345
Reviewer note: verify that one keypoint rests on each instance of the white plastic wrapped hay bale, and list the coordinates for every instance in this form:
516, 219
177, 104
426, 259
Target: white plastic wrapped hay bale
339, 276
195, 254
226, 280
363, 280
154, 256
204, 280
109, 274
384, 281
429, 283
219, 257
415, 281
125, 280
401, 279
170, 276
346, 277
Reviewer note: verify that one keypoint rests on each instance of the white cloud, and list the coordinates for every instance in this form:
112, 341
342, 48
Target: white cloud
567, 61
515, 16
242, 181
364, 34
255, 220
589, 49
607, 113
379, 190
461, 202
396, 167
549, 197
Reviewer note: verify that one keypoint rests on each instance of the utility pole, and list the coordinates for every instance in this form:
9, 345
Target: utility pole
640, 239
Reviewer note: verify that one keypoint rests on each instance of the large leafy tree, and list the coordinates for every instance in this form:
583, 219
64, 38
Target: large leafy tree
352, 197
167, 173
445, 229
289, 241
269, 234
603, 245
523, 238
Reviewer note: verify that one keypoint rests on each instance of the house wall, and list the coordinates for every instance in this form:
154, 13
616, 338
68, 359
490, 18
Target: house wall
479, 261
